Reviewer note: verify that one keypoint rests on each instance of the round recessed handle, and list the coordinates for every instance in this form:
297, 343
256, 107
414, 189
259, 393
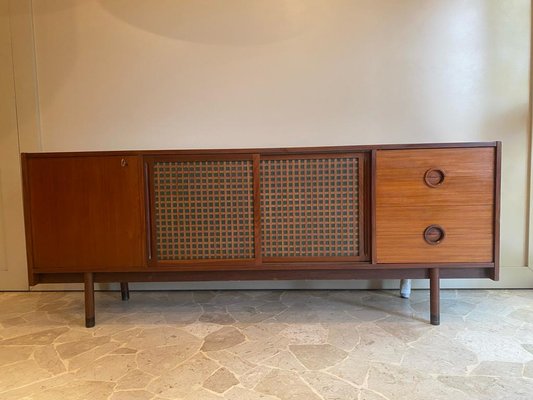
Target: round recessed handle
434, 234
434, 177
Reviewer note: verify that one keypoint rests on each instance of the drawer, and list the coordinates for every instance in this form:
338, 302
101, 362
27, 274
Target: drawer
468, 234
435, 177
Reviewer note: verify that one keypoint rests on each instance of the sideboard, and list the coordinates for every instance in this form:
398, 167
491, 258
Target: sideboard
423, 211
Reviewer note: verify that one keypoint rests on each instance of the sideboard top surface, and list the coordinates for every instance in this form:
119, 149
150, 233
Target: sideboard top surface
268, 151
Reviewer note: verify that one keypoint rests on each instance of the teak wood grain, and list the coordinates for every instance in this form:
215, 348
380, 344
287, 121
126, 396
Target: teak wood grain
469, 177
469, 234
463, 204
86, 212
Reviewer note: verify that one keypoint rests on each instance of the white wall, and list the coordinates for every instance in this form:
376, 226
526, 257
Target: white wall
117, 74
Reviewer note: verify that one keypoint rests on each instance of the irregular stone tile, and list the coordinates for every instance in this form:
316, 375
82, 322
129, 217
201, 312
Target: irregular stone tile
273, 308
202, 394
21, 373
249, 315
259, 350
343, 336
528, 370
180, 381
75, 335
318, 356
181, 315
201, 329
77, 390
220, 381
72, 349
300, 314
224, 338
31, 390
437, 354
226, 297
286, 386
353, 369
251, 378
329, 387
162, 336
14, 321
401, 383
232, 362
83, 359
205, 296
126, 335
305, 334
406, 329
48, 358
39, 338
134, 379
371, 395
217, 317
124, 350
285, 360
491, 323
389, 303
368, 314
239, 393
378, 345
132, 395
264, 330
498, 368
12, 354
108, 368
156, 359
447, 306
528, 347
493, 347
485, 388
523, 314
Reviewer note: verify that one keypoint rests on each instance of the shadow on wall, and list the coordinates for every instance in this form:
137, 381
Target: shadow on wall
228, 22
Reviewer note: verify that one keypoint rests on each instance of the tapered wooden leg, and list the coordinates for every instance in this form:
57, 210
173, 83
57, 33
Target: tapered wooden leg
125, 291
405, 288
434, 296
89, 299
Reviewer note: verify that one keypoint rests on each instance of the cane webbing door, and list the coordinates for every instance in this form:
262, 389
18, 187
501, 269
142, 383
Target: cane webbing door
203, 209
311, 208
254, 210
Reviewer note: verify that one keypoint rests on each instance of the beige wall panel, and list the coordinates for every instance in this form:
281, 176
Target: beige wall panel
12, 250
117, 74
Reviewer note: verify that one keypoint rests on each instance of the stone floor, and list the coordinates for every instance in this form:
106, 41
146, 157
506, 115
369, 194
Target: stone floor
364, 345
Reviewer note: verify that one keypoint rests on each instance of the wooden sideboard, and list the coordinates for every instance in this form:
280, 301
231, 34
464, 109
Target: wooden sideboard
425, 211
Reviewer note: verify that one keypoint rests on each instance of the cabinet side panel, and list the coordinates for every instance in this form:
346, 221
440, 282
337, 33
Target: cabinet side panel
86, 212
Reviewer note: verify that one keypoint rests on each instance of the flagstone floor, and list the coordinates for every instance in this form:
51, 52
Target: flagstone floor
271, 345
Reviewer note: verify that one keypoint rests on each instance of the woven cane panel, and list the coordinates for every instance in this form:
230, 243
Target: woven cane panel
204, 210
310, 208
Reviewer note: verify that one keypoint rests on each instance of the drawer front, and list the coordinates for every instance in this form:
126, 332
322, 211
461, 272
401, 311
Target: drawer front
435, 177
450, 189
426, 234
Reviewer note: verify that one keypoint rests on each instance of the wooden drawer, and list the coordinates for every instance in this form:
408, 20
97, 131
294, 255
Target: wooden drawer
468, 177
450, 188
468, 234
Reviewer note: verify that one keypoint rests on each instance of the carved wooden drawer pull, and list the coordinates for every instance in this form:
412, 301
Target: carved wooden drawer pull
434, 177
434, 234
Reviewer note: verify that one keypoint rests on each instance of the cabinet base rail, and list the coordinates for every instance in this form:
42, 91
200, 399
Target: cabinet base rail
405, 290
